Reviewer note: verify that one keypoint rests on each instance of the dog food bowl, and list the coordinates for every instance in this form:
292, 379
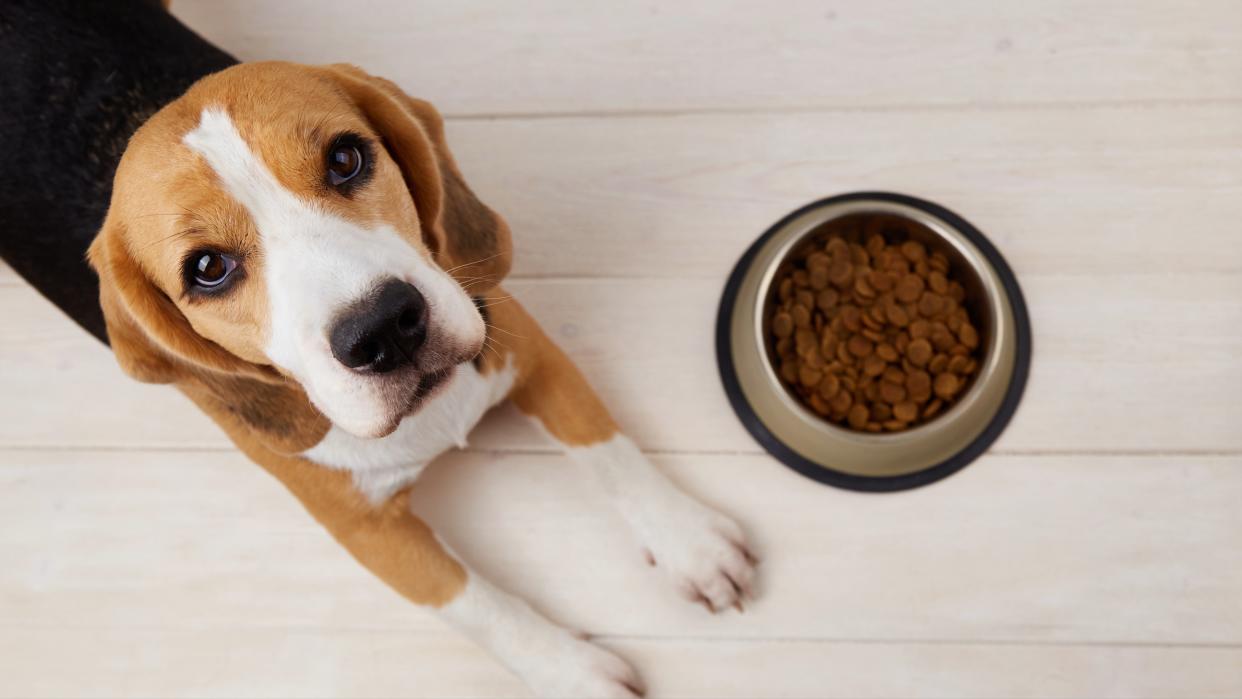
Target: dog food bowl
842, 457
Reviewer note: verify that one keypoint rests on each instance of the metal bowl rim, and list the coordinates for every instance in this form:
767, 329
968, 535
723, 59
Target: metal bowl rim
856, 207
815, 471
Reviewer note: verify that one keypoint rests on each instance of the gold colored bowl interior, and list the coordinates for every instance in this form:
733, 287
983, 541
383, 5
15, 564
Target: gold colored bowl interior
840, 448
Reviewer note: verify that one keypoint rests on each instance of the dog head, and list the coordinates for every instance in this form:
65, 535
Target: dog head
294, 223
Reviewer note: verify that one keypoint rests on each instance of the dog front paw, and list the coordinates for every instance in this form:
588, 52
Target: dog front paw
703, 552
575, 667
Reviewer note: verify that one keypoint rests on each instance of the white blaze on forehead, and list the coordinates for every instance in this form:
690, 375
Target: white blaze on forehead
241, 172
317, 263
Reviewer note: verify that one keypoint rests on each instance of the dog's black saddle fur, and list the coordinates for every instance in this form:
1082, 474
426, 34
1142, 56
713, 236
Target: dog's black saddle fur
77, 78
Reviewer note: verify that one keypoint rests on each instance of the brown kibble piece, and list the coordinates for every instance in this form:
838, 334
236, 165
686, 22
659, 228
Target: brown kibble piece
919, 352
809, 376
946, 385
851, 318
920, 329
818, 260
913, 250
859, 414
942, 338
919, 385
875, 244
818, 278
804, 341
886, 352
968, 335
931, 304
789, 371
892, 393
873, 366
932, 408
881, 281
862, 288
909, 288
841, 402
906, 411
801, 316
843, 354
897, 316
859, 256
829, 386
860, 346
840, 273
782, 325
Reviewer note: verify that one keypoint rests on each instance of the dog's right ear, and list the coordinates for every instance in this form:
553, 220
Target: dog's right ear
152, 340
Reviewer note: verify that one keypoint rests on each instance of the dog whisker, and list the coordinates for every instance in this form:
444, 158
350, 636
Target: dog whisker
511, 334
467, 264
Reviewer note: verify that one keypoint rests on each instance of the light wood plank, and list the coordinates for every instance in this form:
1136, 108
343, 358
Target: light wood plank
7, 276
561, 55
1122, 363
1061, 191
364, 663
1013, 549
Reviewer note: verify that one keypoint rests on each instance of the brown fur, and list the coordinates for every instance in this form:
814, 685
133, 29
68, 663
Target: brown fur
387, 539
548, 387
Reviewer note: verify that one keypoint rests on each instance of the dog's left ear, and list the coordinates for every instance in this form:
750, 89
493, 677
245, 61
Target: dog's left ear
466, 236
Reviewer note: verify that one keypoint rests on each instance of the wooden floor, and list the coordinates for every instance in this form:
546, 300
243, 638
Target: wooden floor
636, 149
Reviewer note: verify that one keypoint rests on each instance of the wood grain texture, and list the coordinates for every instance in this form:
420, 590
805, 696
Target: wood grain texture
1048, 549
277, 663
555, 56
1095, 191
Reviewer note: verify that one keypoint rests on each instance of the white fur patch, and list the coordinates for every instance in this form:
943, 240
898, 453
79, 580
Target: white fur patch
317, 263
552, 661
383, 466
701, 550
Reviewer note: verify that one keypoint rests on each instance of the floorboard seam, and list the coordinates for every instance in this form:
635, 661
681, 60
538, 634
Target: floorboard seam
811, 109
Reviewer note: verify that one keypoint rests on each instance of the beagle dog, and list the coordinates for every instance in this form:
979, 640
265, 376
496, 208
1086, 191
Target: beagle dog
295, 249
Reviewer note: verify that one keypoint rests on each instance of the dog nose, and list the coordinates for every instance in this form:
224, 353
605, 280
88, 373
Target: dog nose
383, 331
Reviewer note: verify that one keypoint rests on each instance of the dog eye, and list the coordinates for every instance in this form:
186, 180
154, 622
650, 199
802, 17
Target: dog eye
209, 269
345, 161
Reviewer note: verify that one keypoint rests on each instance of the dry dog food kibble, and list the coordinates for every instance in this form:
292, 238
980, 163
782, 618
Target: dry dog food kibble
872, 335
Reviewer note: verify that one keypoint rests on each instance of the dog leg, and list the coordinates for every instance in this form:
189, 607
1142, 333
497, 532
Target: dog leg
395, 545
702, 551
